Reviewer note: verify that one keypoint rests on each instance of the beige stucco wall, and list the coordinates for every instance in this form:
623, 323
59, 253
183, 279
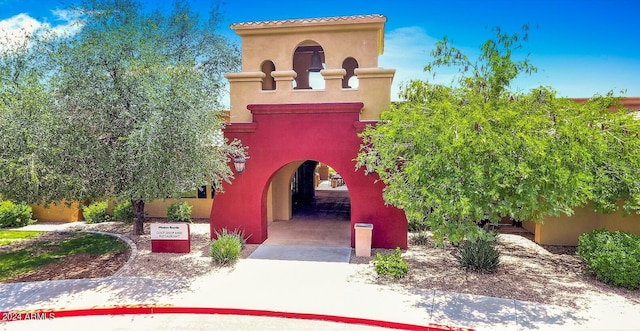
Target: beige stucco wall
374, 91
565, 230
529, 226
59, 212
358, 37
158, 208
280, 199
270, 203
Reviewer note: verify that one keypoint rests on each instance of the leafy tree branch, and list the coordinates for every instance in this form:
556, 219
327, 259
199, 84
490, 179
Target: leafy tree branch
475, 151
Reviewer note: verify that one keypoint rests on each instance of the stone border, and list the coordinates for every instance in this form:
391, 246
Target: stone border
132, 245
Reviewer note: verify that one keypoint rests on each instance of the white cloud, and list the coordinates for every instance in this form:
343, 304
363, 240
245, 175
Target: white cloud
17, 29
72, 22
406, 50
65, 14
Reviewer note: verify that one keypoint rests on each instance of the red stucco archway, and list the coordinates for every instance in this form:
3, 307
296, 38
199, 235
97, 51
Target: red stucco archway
282, 133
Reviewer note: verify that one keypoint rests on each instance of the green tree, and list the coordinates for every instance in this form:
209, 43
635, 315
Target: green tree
475, 150
26, 121
134, 97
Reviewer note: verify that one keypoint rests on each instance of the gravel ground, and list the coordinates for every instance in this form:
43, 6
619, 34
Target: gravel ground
146, 264
528, 271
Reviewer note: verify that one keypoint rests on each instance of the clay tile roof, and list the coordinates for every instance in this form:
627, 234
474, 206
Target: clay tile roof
313, 21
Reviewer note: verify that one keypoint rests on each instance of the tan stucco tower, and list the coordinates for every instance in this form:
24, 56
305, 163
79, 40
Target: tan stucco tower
276, 56
306, 89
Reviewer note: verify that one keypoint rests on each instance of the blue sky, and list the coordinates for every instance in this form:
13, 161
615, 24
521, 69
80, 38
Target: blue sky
581, 47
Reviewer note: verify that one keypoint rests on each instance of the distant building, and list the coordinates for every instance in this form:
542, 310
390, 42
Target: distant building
565, 230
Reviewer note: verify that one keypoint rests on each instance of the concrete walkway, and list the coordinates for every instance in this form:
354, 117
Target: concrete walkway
302, 253
303, 287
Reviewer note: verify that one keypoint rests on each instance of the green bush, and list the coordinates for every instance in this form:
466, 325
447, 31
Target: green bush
480, 255
226, 248
415, 225
391, 264
421, 238
614, 257
96, 212
179, 212
236, 233
123, 212
14, 215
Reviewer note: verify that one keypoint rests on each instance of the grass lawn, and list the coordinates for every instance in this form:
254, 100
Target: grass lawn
11, 236
41, 253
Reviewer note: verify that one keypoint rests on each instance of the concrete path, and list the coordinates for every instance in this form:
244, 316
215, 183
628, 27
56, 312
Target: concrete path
302, 287
302, 253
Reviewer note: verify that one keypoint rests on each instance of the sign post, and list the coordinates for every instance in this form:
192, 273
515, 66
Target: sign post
170, 238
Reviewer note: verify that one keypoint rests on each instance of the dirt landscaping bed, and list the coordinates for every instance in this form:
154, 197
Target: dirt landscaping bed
528, 272
70, 266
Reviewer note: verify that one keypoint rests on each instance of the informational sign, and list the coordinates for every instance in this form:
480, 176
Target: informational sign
170, 238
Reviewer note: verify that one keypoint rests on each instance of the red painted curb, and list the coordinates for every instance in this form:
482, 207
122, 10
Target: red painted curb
143, 309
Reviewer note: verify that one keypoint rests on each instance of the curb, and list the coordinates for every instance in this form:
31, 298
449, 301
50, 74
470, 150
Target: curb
145, 310
132, 245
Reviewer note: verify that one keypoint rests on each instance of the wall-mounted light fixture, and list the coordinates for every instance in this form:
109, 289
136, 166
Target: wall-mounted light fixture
239, 163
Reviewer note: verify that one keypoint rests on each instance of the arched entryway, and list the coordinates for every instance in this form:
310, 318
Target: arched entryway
318, 192
281, 134
308, 205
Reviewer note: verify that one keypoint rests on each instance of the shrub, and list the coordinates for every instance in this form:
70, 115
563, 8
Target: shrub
614, 257
236, 233
123, 212
421, 238
391, 264
179, 212
14, 215
480, 255
226, 248
96, 212
415, 225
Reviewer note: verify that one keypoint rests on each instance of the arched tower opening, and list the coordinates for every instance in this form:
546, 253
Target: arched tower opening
308, 60
268, 82
350, 79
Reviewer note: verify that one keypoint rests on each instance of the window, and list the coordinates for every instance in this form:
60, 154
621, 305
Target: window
350, 80
268, 83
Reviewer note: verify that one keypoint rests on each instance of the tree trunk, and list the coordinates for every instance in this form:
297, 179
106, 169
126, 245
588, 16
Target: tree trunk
138, 215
